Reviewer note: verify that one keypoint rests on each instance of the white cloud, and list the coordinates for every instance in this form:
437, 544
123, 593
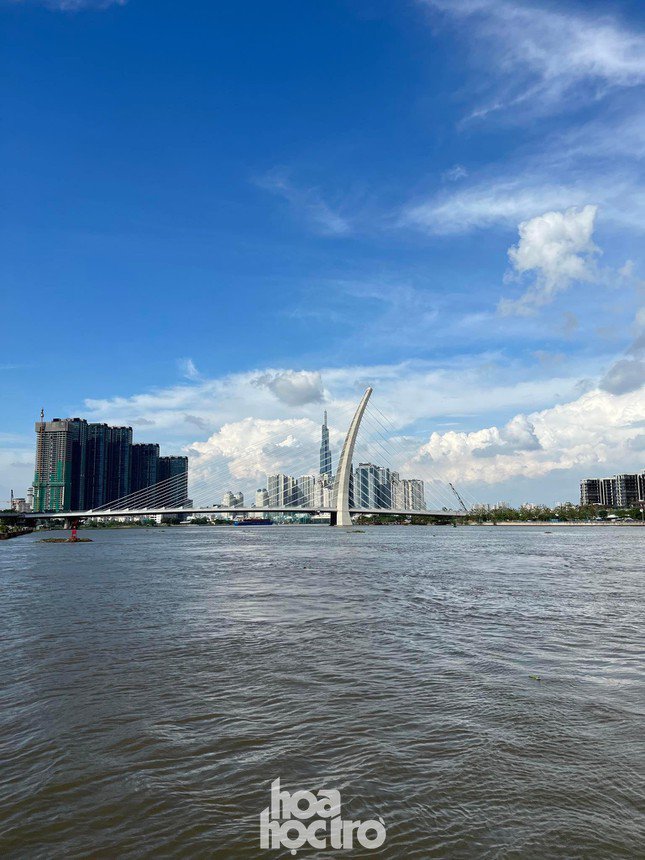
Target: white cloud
293, 387
517, 191
557, 248
487, 204
543, 57
237, 431
410, 393
455, 173
74, 5
595, 430
308, 202
188, 369
253, 448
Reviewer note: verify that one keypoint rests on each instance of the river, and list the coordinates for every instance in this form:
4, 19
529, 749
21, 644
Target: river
479, 689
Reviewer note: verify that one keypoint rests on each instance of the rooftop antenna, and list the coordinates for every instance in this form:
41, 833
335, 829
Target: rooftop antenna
42, 414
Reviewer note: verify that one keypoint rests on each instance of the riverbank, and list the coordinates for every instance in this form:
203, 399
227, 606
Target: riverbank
575, 523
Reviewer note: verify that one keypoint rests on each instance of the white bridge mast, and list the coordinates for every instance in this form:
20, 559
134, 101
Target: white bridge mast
343, 516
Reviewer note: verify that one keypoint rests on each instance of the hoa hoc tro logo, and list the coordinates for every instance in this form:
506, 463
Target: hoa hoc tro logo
304, 818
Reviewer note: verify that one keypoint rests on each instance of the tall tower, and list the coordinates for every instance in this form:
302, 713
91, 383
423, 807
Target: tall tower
325, 452
59, 479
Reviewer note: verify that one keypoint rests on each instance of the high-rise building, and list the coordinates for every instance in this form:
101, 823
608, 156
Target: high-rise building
325, 450
261, 499
282, 491
397, 491
118, 463
366, 485
607, 492
306, 490
59, 476
626, 493
172, 477
383, 487
413, 494
233, 500
96, 465
621, 491
143, 466
78, 441
590, 491
324, 492
81, 466
373, 486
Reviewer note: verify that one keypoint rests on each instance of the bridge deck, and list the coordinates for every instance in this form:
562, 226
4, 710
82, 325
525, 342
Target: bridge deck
153, 512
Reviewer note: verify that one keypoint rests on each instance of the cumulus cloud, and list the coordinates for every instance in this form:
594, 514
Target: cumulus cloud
293, 387
557, 248
254, 435
597, 428
544, 56
253, 448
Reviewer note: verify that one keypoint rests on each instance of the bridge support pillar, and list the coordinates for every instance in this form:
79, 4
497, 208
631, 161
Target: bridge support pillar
343, 516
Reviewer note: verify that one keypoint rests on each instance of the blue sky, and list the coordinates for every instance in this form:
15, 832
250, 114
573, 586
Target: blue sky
217, 213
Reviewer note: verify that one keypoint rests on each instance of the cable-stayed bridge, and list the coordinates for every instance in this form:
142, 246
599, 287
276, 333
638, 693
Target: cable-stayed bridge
366, 481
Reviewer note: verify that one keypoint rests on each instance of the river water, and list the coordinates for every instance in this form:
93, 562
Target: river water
154, 683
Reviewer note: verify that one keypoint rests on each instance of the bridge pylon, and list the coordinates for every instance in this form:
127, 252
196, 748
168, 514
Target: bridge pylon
343, 516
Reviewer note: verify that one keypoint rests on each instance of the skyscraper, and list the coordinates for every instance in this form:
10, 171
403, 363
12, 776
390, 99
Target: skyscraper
626, 491
261, 498
118, 463
173, 493
96, 465
53, 472
59, 476
325, 451
81, 466
414, 498
366, 486
590, 491
143, 466
282, 490
306, 490
78, 452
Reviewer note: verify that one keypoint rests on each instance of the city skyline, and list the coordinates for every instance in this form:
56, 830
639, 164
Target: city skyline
471, 247
86, 466
80, 465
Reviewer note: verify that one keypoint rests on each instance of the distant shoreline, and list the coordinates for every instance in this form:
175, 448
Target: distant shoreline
548, 524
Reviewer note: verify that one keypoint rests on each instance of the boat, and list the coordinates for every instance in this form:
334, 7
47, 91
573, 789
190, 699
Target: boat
252, 521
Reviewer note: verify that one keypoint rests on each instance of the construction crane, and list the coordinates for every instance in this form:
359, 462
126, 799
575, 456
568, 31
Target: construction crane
461, 501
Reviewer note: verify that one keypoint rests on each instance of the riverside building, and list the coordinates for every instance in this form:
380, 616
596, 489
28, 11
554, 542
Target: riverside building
82, 466
621, 491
